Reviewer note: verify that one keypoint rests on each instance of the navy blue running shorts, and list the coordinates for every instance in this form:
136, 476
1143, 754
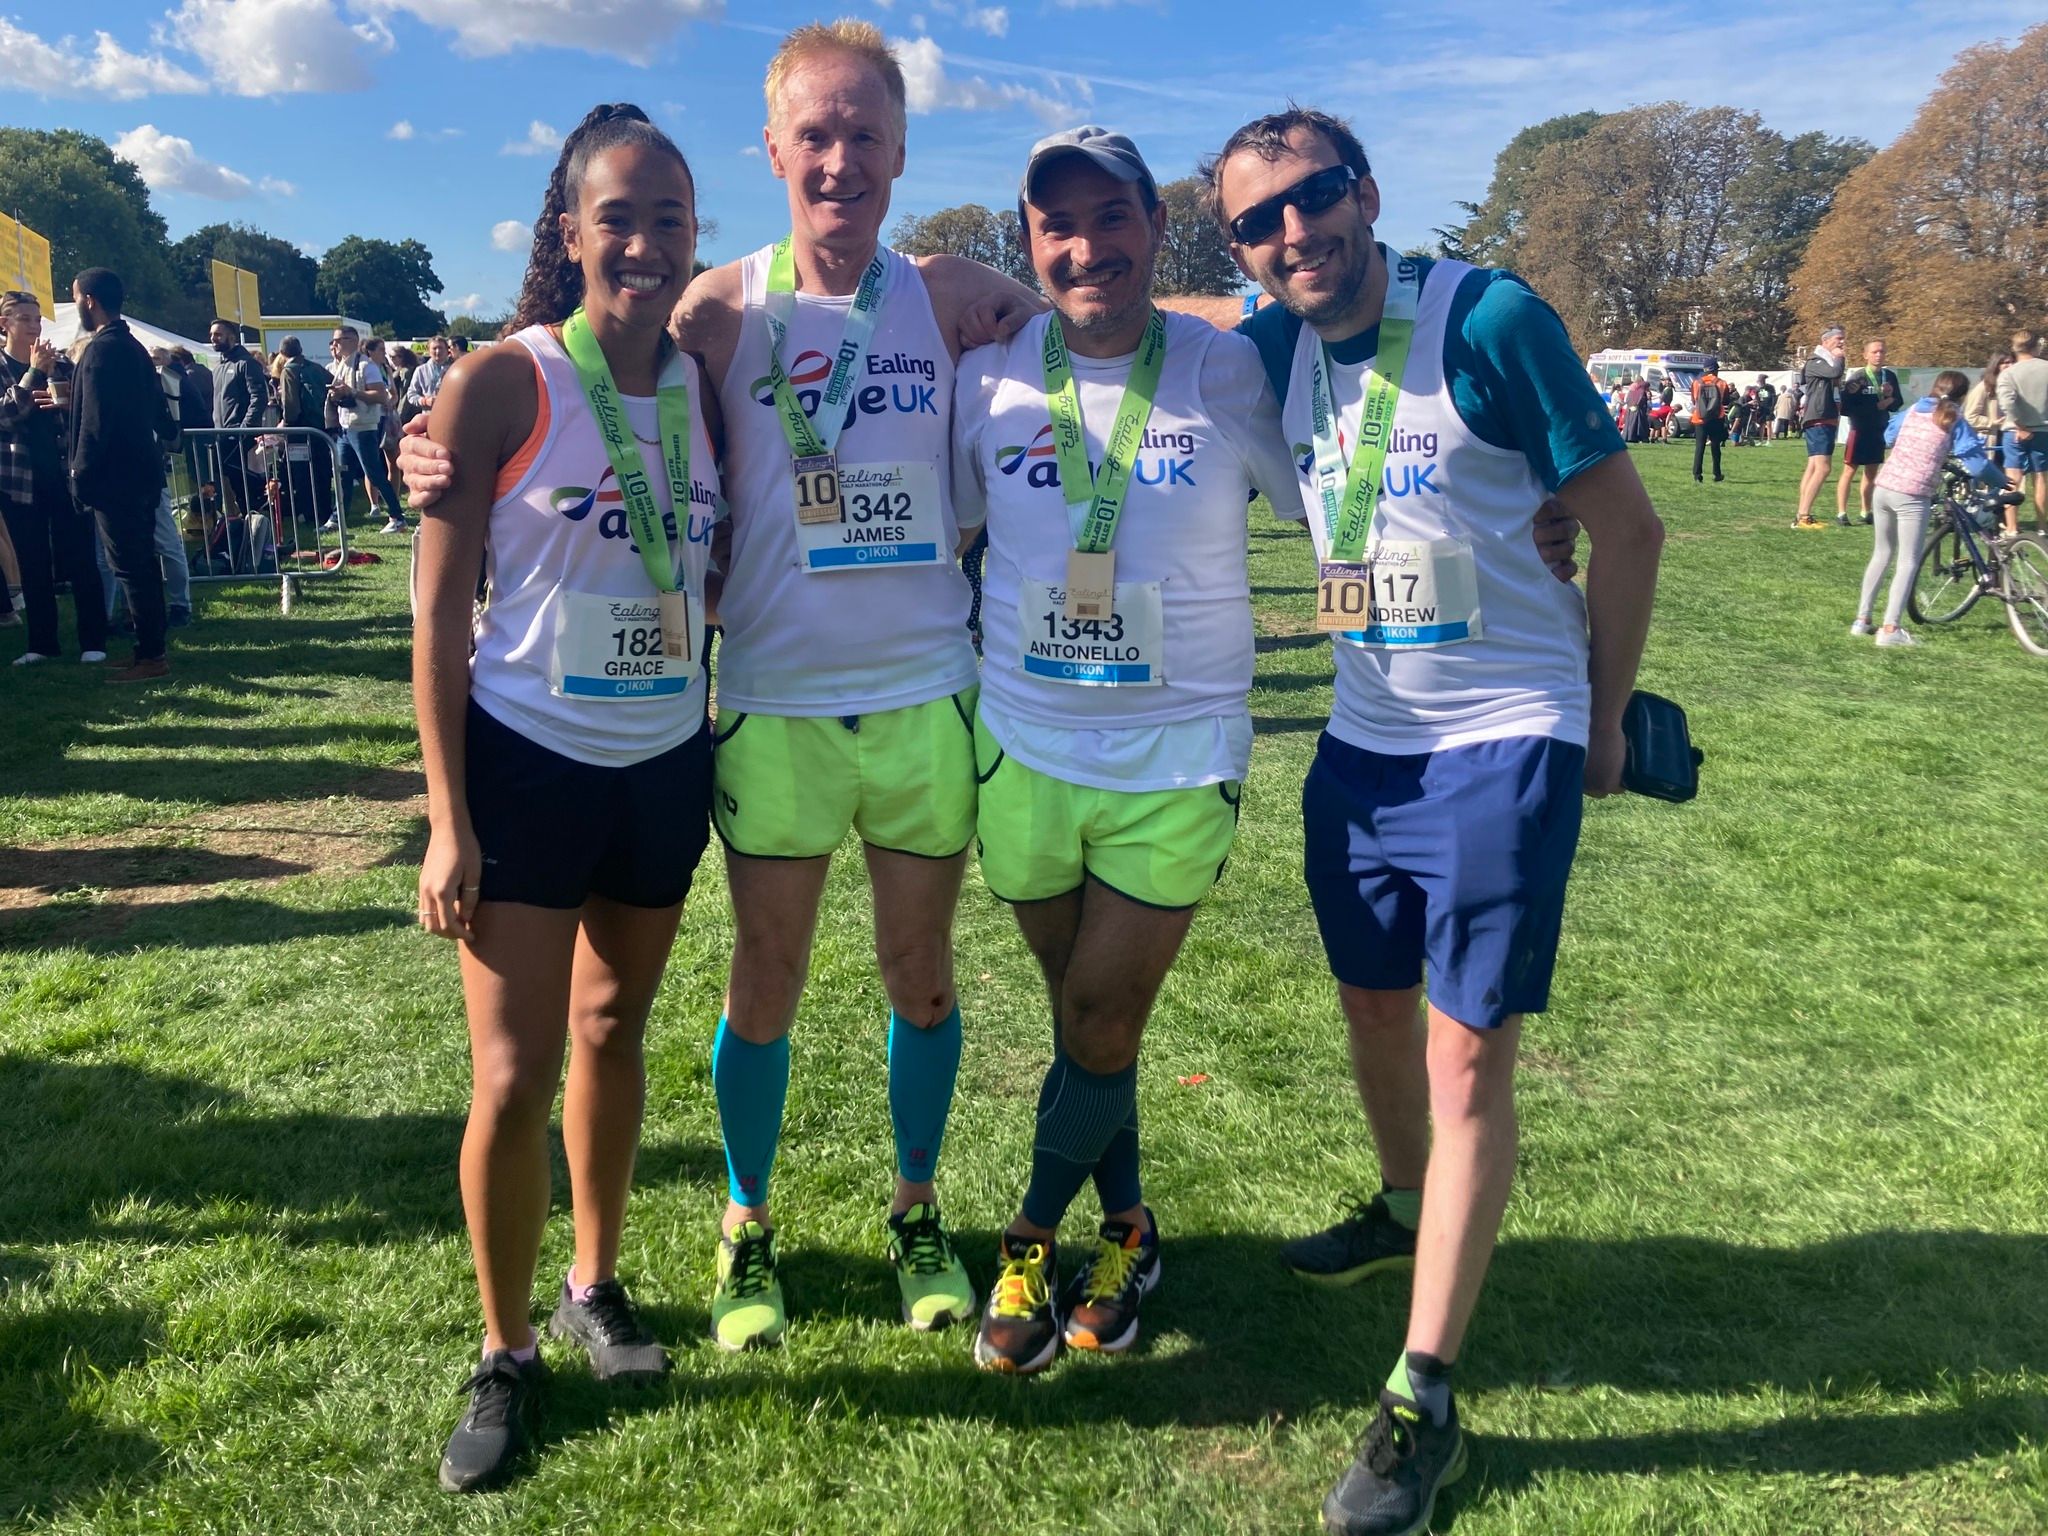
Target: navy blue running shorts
1452, 861
555, 832
1864, 449
1820, 441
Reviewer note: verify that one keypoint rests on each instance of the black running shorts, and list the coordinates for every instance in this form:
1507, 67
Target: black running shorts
555, 831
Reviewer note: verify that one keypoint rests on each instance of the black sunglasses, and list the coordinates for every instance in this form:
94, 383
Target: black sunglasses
1315, 193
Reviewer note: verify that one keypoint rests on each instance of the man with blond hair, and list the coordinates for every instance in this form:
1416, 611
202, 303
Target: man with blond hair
2023, 404
846, 678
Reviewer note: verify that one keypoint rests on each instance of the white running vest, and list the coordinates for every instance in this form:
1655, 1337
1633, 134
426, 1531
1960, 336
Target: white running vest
858, 638
561, 531
1526, 674
1183, 532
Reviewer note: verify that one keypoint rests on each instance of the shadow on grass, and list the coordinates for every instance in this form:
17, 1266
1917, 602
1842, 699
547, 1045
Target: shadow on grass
66, 869
1885, 1311
1288, 725
58, 1451
107, 1150
212, 922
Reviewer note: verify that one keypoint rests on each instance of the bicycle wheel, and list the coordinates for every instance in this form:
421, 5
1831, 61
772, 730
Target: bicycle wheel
2024, 586
1945, 582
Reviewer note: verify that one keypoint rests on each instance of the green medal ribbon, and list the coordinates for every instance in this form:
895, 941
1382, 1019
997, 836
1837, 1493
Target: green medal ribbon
1102, 494
807, 438
1347, 516
672, 411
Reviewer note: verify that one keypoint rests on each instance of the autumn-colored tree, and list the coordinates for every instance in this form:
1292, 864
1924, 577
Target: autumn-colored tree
1666, 225
1940, 243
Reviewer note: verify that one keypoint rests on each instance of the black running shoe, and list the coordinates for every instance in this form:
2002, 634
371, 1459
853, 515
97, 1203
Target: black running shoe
1400, 1466
1104, 1297
608, 1326
1368, 1241
493, 1433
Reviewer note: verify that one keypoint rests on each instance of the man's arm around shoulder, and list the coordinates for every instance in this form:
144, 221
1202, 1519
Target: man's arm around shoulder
707, 319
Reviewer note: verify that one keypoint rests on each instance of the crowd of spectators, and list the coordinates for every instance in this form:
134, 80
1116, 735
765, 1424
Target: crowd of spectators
93, 440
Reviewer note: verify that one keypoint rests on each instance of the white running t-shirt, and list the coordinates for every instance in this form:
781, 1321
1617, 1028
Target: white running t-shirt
1155, 698
562, 650
868, 614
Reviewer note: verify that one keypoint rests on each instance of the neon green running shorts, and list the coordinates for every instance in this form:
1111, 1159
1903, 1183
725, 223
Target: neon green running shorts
789, 786
1039, 835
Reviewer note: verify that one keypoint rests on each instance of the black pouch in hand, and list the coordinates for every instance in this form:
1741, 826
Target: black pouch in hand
1661, 760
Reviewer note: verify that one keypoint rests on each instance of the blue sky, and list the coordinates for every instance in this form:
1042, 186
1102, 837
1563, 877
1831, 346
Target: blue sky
437, 119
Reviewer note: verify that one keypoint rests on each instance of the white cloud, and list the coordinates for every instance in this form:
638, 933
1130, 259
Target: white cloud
994, 19
273, 47
468, 304
930, 89
112, 71
511, 235
400, 130
752, 151
629, 29
540, 140
170, 164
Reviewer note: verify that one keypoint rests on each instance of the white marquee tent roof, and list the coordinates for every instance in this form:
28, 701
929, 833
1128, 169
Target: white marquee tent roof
60, 330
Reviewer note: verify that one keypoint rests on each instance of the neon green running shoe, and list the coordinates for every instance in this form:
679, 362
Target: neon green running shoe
936, 1290
746, 1309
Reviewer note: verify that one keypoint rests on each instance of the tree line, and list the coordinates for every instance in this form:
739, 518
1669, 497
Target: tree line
95, 211
1663, 225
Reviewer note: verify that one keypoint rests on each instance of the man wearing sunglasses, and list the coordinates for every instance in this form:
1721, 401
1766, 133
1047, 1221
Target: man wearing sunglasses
1430, 406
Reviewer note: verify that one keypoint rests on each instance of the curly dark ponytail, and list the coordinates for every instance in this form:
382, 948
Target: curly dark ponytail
554, 284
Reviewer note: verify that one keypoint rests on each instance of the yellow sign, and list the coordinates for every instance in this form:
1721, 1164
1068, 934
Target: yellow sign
234, 294
25, 261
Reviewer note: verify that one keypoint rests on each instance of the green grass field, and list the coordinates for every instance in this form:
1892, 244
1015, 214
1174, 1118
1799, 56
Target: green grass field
1775, 1261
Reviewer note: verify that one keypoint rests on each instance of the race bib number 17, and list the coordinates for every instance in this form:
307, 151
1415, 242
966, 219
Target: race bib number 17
1408, 594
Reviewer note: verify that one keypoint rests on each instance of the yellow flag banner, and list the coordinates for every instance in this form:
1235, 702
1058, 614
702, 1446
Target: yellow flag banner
25, 260
234, 294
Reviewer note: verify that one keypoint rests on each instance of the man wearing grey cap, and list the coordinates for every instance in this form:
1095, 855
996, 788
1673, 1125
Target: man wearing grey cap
1112, 450
1820, 414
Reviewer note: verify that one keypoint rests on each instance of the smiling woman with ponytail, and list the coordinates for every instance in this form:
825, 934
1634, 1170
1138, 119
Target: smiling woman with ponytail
562, 726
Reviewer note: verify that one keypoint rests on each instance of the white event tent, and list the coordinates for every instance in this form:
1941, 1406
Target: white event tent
60, 330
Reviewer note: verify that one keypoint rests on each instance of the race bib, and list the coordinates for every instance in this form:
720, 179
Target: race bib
613, 648
889, 515
1125, 650
1406, 594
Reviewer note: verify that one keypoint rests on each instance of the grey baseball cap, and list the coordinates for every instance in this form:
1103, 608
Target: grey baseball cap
1112, 152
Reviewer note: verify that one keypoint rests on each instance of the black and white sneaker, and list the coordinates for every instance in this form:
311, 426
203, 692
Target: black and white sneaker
1400, 1466
607, 1326
1368, 1241
494, 1432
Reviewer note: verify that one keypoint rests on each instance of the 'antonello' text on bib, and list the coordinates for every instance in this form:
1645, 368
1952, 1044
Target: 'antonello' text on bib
1125, 650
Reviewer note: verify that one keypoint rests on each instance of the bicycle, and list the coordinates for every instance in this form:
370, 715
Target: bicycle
1967, 555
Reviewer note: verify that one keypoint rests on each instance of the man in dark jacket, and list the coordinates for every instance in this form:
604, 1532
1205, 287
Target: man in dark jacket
35, 488
1709, 418
1869, 396
241, 391
1819, 413
309, 453
116, 459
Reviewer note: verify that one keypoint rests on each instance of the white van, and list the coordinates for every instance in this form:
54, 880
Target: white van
1608, 368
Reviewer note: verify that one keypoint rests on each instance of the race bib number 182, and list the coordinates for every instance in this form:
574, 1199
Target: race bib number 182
613, 648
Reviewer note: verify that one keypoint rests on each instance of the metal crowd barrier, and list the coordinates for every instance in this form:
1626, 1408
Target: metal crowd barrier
258, 501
